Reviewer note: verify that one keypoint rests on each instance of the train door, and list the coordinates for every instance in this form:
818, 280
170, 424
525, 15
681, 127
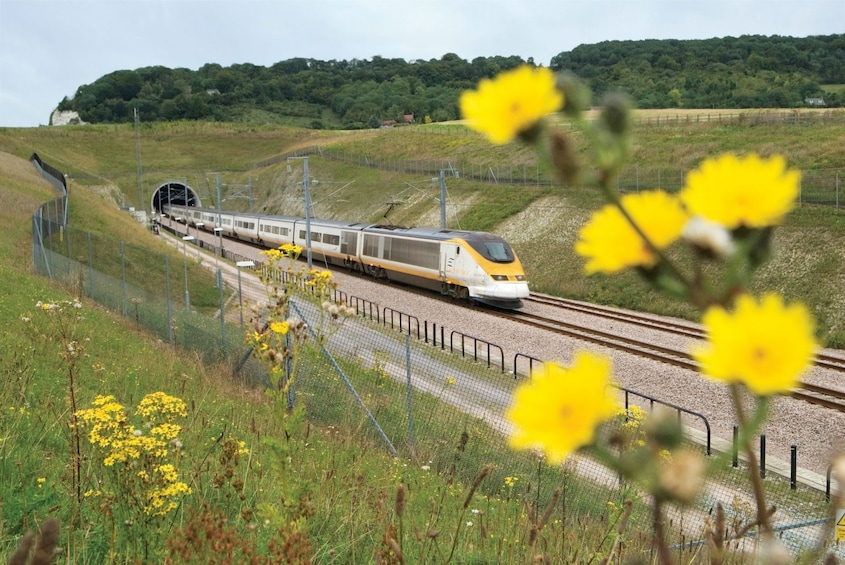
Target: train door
448, 260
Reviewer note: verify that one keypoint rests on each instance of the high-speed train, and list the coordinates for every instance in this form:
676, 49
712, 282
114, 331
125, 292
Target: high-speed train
477, 266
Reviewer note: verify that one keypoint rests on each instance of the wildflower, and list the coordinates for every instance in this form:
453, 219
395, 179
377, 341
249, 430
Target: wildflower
611, 244
450, 381
41, 481
511, 481
559, 409
291, 250
512, 104
426, 467
280, 327
741, 191
766, 346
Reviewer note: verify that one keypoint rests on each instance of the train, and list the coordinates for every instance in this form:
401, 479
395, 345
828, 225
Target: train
475, 266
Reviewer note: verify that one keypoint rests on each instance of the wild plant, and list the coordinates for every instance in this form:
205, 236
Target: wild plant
702, 245
135, 480
277, 337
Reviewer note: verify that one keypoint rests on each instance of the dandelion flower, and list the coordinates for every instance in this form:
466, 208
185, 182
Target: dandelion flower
741, 191
611, 244
280, 327
512, 103
559, 409
766, 346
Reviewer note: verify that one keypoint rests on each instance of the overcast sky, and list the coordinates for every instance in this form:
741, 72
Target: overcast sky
48, 48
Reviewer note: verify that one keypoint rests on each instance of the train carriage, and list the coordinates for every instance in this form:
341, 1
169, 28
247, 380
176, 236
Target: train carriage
477, 266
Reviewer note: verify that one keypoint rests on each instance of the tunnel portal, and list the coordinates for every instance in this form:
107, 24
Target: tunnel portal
176, 192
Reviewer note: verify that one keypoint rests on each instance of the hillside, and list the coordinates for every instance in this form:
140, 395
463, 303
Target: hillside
744, 72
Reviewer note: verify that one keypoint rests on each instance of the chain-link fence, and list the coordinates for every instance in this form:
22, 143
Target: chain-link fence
432, 397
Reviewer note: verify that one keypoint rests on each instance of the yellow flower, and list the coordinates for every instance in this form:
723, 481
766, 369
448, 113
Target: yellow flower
766, 346
291, 250
611, 244
741, 191
512, 103
280, 327
559, 409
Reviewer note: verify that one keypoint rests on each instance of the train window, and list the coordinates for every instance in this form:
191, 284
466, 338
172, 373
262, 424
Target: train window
349, 242
412, 252
493, 249
331, 239
371, 245
316, 236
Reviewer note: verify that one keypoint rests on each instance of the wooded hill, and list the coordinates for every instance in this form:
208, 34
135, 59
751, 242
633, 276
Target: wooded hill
744, 72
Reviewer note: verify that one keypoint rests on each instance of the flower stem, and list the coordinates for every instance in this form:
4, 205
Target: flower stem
663, 553
753, 465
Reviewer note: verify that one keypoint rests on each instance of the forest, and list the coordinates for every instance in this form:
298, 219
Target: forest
732, 72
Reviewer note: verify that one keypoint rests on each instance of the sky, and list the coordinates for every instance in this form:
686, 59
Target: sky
49, 48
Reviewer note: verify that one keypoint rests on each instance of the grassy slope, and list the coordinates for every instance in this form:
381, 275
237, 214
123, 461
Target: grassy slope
122, 361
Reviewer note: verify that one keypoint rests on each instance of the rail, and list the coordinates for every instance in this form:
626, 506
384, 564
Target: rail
475, 342
679, 409
531, 361
402, 316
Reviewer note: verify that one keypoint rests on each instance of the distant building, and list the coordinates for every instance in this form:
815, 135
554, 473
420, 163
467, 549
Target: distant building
814, 101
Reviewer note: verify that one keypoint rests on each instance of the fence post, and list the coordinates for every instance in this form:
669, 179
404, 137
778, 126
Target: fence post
167, 294
735, 454
90, 268
410, 394
219, 277
793, 467
763, 456
123, 276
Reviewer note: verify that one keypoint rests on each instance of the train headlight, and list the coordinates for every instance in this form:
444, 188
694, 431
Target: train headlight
500, 277
520, 277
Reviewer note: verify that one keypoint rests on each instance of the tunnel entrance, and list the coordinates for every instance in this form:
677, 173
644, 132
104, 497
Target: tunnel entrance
175, 192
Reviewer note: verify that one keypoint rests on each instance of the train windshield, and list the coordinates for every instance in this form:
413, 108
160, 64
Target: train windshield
493, 249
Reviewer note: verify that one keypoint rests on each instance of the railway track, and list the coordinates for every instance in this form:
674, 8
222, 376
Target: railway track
823, 396
833, 399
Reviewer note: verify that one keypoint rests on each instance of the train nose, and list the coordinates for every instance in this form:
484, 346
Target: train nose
511, 291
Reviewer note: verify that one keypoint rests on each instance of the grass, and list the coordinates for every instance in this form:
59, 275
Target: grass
356, 479
341, 483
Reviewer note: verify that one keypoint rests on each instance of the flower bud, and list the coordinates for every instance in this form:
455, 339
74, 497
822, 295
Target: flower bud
565, 158
682, 478
663, 430
576, 94
616, 114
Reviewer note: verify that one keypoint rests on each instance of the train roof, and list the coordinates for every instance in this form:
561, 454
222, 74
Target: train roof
438, 234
